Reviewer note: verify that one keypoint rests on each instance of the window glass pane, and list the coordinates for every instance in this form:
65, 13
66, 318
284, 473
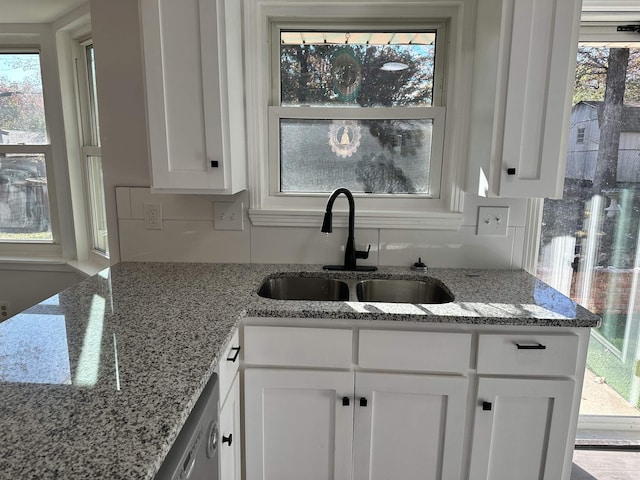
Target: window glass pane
370, 156
98, 211
93, 100
24, 199
590, 238
21, 103
366, 69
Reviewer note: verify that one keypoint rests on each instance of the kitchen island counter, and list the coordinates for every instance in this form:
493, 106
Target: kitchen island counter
98, 380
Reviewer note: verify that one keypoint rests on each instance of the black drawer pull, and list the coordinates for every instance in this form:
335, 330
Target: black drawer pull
228, 439
535, 346
486, 406
511, 171
363, 402
235, 356
345, 401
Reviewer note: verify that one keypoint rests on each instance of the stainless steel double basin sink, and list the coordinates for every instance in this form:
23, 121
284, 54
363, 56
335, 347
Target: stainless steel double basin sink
418, 291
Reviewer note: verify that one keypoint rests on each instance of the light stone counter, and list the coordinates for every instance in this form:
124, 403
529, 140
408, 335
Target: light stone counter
97, 381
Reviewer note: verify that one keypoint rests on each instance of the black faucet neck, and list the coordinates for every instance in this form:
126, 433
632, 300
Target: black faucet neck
352, 208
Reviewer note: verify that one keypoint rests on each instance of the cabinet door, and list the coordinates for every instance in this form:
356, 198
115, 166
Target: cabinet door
412, 426
230, 438
192, 134
296, 426
524, 67
521, 429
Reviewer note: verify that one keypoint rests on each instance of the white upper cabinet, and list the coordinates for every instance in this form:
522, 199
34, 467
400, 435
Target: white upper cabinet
524, 65
195, 96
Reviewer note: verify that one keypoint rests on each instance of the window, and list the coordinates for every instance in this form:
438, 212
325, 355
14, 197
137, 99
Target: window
590, 239
90, 148
362, 102
341, 121
25, 215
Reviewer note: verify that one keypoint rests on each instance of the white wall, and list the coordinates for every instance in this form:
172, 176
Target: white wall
188, 233
121, 104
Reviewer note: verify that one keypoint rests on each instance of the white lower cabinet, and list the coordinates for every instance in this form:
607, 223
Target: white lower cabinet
230, 429
525, 405
315, 425
521, 428
297, 426
408, 426
229, 413
465, 403
344, 422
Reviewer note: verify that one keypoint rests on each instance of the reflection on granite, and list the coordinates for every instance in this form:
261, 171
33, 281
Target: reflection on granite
33, 349
98, 381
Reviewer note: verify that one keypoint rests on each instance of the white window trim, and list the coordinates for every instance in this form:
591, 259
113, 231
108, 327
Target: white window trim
70, 34
88, 144
407, 213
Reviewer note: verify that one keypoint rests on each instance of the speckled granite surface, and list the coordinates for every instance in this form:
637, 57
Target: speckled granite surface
97, 381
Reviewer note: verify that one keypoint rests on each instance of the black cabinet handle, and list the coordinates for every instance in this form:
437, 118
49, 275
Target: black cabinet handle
534, 346
234, 357
486, 406
363, 402
345, 401
228, 439
511, 171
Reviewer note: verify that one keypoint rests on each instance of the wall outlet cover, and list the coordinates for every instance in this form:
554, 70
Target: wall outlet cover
152, 216
493, 221
4, 310
228, 216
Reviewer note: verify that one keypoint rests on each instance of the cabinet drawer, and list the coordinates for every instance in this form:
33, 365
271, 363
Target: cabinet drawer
414, 351
298, 347
228, 365
527, 354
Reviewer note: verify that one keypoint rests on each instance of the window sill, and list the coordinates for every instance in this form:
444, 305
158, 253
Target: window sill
31, 256
87, 267
42, 264
364, 219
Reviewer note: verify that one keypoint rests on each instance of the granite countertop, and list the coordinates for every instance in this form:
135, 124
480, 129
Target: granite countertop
97, 381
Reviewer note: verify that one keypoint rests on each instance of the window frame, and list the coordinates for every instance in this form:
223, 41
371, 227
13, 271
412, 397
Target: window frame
12, 250
270, 208
68, 33
89, 145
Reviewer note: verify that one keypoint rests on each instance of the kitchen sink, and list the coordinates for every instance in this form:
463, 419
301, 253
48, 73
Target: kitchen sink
402, 291
304, 288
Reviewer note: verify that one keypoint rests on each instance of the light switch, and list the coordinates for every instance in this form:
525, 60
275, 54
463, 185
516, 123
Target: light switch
493, 221
227, 216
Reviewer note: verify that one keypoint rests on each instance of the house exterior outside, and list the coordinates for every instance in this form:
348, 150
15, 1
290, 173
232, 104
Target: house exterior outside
584, 136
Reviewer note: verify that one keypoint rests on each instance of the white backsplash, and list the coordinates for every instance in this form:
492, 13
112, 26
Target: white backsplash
188, 236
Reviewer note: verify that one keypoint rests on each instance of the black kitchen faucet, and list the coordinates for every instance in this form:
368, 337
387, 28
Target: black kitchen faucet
350, 253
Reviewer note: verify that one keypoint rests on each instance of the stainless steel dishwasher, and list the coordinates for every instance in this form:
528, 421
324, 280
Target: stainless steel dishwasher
194, 455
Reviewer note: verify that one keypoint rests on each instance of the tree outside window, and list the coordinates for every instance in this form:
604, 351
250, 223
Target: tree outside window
348, 74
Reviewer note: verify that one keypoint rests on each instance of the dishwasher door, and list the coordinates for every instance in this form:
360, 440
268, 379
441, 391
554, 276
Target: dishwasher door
194, 455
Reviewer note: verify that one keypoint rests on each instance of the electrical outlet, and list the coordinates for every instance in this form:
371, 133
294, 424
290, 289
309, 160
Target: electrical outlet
153, 216
493, 221
228, 216
4, 310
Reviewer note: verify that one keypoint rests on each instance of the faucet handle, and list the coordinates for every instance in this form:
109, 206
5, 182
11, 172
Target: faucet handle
362, 254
